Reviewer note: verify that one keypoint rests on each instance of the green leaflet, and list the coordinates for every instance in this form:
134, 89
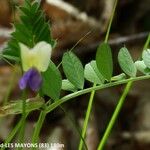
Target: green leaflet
13, 58
52, 82
146, 57
12, 50
104, 61
73, 69
140, 65
92, 74
31, 29
68, 86
126, 62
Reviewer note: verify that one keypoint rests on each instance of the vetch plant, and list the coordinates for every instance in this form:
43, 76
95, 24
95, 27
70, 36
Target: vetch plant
31, 46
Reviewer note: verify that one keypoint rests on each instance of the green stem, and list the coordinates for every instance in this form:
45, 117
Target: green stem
110, 22
118, 108
13, 132
38, 127
85, 91
114, 116
35, 137
147, 43
22, 129
93, 92
88, 112
65, 99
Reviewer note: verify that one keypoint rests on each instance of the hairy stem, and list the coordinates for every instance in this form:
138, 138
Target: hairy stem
114, 116
88, 90
88, 112
147, 43
22, 129
13, 132
118, 108
38, 127
85, 124
110, 22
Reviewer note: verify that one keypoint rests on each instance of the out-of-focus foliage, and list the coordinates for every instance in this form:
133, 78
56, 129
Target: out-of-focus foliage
31, 29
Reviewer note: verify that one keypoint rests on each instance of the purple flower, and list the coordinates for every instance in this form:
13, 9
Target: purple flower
32, 78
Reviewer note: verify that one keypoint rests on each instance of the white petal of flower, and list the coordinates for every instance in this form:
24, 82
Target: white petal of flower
37, 57
25, 55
